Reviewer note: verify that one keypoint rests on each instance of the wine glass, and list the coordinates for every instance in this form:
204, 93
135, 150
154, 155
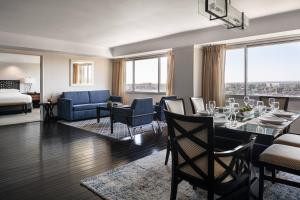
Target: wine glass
227, 112
235, 110
271, 103
276, 106
232, 100
227, 103
251, 103
246, 100
260, 106
212, 106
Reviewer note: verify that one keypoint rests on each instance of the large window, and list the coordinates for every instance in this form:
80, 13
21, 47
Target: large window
271, 69
146, 75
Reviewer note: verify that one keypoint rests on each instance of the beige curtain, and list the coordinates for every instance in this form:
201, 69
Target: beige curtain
118, 78
170, 75
213, 74
75, 74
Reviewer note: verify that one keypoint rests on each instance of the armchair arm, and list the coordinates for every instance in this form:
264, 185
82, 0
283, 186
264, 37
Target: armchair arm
236, 150
65, 108
125, 112
116, 99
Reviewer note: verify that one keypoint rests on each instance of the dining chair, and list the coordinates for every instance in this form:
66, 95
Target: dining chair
279, 157
159, 107
195, 160
174, 106
283, 101
197, 104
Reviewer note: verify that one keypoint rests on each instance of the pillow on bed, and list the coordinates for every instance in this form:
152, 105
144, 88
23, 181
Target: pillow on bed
9, 91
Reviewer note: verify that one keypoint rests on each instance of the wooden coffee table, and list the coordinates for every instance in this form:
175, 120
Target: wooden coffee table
102, 108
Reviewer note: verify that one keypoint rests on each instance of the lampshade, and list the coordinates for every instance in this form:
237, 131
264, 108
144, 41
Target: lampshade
29, 80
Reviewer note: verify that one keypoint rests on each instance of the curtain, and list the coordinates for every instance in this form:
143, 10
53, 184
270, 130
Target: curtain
170, 74
213, 74
118, 78
75, 74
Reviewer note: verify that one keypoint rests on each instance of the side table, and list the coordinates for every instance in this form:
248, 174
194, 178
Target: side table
48, 108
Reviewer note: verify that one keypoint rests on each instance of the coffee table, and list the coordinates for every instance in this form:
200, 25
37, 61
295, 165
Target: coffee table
105, 108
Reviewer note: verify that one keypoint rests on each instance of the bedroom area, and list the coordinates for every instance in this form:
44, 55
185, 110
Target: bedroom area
19, 88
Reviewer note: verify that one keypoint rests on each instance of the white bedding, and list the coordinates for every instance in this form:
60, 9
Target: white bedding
13, 97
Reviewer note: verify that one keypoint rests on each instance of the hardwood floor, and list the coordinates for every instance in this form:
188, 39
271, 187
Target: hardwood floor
47, 161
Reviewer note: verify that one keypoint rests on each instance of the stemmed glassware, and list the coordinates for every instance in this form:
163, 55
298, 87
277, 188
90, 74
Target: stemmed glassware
227, 113
235, 110
276, 106
260, 106
246, 100
271, 103
212, 106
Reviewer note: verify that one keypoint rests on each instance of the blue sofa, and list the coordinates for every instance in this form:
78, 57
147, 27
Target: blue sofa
82, 105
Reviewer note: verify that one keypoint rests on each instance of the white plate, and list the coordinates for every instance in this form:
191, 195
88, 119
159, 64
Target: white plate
203, 113
219, 121
281, 113
272, 120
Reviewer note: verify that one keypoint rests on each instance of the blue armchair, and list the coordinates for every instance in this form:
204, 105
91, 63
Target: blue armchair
138, 114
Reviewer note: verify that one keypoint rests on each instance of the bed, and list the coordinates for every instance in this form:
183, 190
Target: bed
12, 101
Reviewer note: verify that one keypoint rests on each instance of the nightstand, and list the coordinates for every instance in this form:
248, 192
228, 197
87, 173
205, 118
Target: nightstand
35, 99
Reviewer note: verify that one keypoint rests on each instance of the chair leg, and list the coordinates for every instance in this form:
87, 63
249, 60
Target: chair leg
210, 195
261, 183
130, 133
273, 175
159, 127
153, 128
168, 152
174, 184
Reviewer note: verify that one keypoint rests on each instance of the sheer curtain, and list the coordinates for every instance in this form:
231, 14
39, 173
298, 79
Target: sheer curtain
213, 74
170, 74
118, 78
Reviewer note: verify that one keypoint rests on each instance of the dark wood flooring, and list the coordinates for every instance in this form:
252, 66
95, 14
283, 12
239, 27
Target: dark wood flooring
47, 161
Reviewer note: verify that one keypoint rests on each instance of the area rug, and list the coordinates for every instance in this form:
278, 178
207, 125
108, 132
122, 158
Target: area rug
103, 128
149, 179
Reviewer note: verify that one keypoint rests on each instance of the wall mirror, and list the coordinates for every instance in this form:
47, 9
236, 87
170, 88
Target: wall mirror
82, 73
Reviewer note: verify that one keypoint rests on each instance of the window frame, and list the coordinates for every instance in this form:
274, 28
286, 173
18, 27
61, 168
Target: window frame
246, 46
134, 59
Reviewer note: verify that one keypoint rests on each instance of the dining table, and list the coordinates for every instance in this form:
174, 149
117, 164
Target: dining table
230, 136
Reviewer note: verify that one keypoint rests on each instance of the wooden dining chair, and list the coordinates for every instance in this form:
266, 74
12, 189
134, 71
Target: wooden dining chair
197, 104
195, 160
283, 101
174, 106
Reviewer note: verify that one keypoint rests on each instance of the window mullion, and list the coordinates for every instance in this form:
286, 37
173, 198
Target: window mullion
133, 75
246, 69
159, 68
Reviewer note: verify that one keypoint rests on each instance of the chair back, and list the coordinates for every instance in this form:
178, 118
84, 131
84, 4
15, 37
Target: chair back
192, 144
142, 111
283, 101
142, 106
197, 104
162, 100
175, 106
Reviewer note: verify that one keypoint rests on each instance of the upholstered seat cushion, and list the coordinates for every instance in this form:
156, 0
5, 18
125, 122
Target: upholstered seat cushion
87, 106
288, 139
282, 155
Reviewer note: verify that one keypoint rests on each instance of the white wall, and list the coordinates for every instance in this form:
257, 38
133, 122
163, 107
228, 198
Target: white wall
18, 71
55, 72
183, 75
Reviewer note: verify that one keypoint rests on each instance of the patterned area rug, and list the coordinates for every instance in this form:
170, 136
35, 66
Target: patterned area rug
149, 179
103, 128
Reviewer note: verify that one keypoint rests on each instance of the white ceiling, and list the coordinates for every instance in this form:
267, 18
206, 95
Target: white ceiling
109, 23
19, 58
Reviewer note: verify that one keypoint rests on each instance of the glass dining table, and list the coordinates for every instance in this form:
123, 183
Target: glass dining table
230, 137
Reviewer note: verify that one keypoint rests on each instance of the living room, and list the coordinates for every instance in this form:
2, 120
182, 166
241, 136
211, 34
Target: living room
194, 99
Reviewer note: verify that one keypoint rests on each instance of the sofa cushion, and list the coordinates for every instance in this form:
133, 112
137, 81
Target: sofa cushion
81, 97
99, 96
82, 107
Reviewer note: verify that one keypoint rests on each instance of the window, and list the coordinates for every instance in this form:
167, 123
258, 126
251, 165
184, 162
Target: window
271, 69
146, 75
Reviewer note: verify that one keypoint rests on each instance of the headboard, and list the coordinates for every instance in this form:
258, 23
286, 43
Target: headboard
10, 84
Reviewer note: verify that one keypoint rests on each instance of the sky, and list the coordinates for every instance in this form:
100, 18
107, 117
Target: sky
146, 71
280, 62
